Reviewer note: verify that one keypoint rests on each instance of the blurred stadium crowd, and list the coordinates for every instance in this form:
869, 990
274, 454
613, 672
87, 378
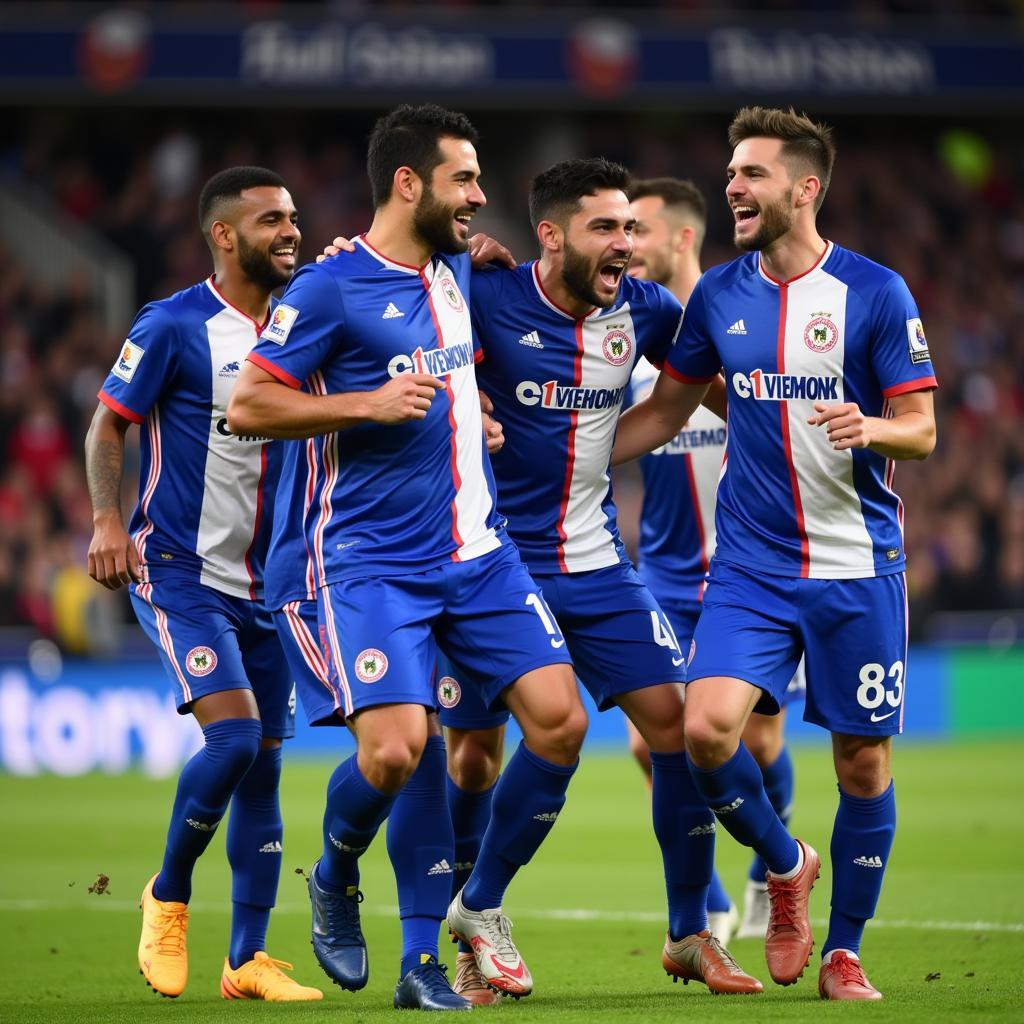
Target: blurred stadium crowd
941, 207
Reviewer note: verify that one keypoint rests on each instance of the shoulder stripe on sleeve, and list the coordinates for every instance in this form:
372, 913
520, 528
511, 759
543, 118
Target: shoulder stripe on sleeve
676, 375
121, 410
274, 370
921, 384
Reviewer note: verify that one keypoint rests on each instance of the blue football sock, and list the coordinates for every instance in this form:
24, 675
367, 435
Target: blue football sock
526, 802
861, 841
422, 847
255, 832
354, 813
778, 784
470, 814
204, 789
685, 830
735, 792
718, 898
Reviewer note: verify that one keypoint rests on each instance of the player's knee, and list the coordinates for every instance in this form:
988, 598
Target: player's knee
863, 765
707, 742
560, 736
474, 763
390, 764
233, 744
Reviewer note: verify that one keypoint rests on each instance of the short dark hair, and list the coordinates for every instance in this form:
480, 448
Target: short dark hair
230, 184
675, 193
555, 194
804, 141
409, 137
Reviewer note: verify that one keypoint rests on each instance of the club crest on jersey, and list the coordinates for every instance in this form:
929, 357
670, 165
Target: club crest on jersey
128, 361
918, 342
452, 294
617, 347
439, 362
371, 665
449, 693
821, 335
785, 387
200, 661
281, 322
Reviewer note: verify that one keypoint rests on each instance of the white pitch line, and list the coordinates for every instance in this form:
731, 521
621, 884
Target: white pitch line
557, 914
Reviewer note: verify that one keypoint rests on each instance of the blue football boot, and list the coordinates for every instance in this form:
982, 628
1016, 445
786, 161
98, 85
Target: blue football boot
427, 988
337, 937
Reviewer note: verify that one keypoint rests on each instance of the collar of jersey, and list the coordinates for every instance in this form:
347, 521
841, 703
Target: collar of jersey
550, 303
234, 309
822, 259
403, 268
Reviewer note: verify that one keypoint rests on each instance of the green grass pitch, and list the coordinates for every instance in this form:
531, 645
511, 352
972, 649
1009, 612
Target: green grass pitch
948, 943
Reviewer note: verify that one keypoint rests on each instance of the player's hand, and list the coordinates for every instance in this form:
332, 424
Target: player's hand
340, 244
405, 397
113, 558
494, 435
845, 425
483, 250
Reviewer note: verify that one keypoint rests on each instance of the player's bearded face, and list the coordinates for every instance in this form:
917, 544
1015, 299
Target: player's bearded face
590, 278
775, 218
434, 222
258, 264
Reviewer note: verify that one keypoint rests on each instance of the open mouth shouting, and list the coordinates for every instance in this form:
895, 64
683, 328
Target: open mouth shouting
610, 274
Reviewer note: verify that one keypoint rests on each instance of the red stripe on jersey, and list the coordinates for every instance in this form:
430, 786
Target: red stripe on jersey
570, 462
795, 277
921, 384
227, 302
697, 518
122, 410
450, 392
155, 460
682, 377
257, 520
787, 444
274, 370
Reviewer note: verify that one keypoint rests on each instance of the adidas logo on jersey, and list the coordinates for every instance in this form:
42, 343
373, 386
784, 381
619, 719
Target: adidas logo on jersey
737, 328
546, 816
391, 312
532, 340
271, 847
442, 867
868, 862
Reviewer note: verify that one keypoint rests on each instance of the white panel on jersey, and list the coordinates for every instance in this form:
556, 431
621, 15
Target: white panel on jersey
473, 503
609, 349
233, 466
839, 544
705, 459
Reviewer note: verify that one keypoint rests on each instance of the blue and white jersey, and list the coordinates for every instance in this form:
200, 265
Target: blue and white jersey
202, 490
558, 383
677, 519
847, 330
401, 499
291, 570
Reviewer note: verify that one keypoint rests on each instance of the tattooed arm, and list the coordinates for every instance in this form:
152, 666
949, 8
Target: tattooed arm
113, 560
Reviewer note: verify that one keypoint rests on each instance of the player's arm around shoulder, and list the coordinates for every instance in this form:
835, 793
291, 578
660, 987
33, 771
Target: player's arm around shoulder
263, 404
658, 418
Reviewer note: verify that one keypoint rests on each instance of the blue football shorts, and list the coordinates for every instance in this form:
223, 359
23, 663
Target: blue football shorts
299, 633
852, 634
619, 638
382, 634
210, 642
